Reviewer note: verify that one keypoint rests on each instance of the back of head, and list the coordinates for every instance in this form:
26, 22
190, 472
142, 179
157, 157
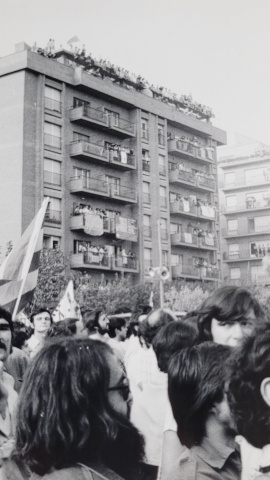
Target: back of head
154, 321
59, 329
249, 368
196, 382
230, 304
64, 416
170, 339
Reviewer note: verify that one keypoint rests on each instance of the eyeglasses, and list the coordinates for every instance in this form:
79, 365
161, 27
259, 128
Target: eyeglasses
124, 390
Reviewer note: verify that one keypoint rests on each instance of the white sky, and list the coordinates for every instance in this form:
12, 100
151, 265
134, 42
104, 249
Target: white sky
216, 50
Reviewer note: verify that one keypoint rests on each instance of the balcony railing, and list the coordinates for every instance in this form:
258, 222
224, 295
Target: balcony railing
260, 229
189, 209
52, 141
256, 180
53, 216
122, 159
189, 239
81, 184
248, 206
191, 271
92, 115
182, 176
121, 124
53, 105
104, 261
238, 254
122, 192
52, 178
205, 182
88, 149
145, 165
128, 262
188, 150
77, 222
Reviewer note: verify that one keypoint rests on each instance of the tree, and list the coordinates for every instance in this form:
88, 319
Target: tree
185, 297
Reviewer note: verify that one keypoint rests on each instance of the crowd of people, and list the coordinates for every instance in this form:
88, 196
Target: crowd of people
103, 68
140, 396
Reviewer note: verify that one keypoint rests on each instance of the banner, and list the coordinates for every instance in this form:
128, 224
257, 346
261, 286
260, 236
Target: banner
93, 224
126, 228
67, 307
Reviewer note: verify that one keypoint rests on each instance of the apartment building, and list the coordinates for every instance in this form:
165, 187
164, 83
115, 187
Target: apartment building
131, 174
245, 212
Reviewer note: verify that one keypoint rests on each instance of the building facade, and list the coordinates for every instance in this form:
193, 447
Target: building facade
245, 213
130, 178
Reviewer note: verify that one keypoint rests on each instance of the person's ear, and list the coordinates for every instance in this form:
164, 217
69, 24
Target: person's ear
265, 390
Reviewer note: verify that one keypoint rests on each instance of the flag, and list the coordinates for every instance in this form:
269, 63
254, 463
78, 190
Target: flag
74, 39
19, 271
93, 224
68, 307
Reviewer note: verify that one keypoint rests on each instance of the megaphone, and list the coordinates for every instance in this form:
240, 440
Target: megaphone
164, 273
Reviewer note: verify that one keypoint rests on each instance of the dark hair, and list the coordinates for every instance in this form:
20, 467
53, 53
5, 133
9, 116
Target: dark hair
148, 331
64, 414
6, 316
91, 318
37, 312
228, 303
71, 324
196, 382
19, 338
170, 339
248, 369
116, 323
59, 329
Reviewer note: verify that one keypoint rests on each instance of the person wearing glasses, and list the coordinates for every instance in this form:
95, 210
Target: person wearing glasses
41, 321
73, 416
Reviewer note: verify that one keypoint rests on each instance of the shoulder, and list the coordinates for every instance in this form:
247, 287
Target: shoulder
188, 467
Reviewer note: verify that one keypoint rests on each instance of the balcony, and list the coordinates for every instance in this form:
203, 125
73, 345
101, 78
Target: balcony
53, 105
188, 209
53, 216
97, 118
239, 255
83, 150
52, 178
101, 188
87, 260
187, 150
77, 222
194, 273
123, 194
243, 183
189, 240
122, 160
126, 264
197, 182
262, 205
245, 231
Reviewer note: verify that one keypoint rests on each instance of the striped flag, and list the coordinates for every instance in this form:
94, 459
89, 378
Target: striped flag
67, 307
19, 272
74, 39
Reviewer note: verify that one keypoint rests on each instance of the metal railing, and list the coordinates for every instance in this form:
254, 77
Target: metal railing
122, 158
53, 105
90, 183
90, 113
52, 178
128, 262
52, 141
200, 152
96, 259
53, 216
122, 124
123, 192
90, 148
249, 206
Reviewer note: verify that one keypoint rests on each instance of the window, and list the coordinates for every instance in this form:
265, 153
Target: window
173, 197
146, 192
165, 258
161, 135
52, 172
147, 252
254, 175
235, 273
51, 242
163, 229
144, 129
114, 116
261, 224
77, 102
175, 228
258, 199
84, 174
176, 259
52, 135
145, 160
231, 202
233, 250
162, 165
232, 226
114, 182
147, 225
229, 178
77, 137
257, 271
52, 99
53, 214
163, 197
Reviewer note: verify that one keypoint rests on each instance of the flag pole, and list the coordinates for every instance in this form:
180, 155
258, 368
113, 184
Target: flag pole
30, 251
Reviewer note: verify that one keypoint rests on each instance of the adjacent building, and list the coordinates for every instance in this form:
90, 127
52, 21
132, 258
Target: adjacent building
131, 171
245, 212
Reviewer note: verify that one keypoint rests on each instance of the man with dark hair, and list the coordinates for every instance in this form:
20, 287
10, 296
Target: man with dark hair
228, 315
41, 320
197, 377
97, 324
118, 335
249, 396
